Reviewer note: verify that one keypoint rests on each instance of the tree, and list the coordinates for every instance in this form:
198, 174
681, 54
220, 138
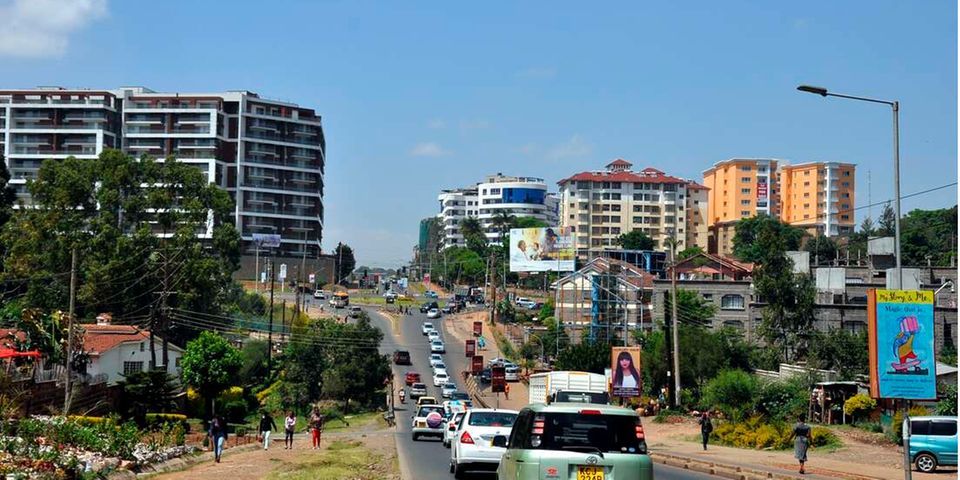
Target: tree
147, 392
788, 313
689, 252
344, 261
8, 196
822, 248
839, 350
732, 391
210, 365
474, 236
929, 237
636, 240
745, 241
887, 225
692, 309
585, 356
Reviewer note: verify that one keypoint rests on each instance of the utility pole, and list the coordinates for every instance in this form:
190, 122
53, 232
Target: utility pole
676, 341
283, 316
301, 275
270, 332
68, 358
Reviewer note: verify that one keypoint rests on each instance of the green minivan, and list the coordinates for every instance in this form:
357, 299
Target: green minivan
575, 441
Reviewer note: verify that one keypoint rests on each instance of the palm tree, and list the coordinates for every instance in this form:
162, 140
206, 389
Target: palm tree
503, 221
474, 235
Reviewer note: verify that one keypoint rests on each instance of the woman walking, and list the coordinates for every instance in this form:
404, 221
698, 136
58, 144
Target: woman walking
267, 425
218, 437
316, 426
705, 428
289, 424
802, 441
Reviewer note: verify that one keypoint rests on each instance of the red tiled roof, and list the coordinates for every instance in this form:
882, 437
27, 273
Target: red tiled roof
619, 162
626, 177
101, 338
696, 186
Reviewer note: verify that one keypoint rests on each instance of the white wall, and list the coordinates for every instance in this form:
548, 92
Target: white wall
111, 362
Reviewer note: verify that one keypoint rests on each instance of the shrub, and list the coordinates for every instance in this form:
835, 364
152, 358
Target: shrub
155, 421
948, 401
231, 394
235, 411
822, 437
859, 406
732, 391
896, 429
782, 401
87, 421
757, 433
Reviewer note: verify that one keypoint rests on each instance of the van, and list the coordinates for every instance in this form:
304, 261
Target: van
933, 442
511, 373
519, 301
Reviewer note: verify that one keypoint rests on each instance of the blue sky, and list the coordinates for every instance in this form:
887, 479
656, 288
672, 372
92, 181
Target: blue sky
421, 96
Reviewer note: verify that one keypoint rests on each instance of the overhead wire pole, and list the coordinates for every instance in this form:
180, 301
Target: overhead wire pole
270, 332
676, 323
73, 298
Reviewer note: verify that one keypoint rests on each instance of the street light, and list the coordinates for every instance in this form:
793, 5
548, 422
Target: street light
895, 105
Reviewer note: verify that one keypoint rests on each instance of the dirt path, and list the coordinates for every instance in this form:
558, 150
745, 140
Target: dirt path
258, 464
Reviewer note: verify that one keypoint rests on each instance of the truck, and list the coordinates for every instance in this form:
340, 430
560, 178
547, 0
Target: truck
566, 386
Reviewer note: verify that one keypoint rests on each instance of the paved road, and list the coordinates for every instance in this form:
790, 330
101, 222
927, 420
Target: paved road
427, 459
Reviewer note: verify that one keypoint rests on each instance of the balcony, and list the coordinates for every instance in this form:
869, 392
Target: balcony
52, 151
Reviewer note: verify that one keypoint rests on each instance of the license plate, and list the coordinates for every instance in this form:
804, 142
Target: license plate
589, 473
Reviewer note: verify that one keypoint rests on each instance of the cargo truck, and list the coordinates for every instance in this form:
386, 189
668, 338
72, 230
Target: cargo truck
579, 387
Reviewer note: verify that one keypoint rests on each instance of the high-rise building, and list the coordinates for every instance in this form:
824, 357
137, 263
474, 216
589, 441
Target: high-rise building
599, 206
697, 201
268, 155
818, 197
515, 196
738, 188
815, 196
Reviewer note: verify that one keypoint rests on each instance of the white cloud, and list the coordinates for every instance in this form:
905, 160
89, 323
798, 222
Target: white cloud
437, 124
428, 149
538, 73
576, 147
41, 28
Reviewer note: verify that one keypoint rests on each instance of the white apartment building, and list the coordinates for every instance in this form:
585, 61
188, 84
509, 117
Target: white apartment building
517, 196
268, 155
599, 206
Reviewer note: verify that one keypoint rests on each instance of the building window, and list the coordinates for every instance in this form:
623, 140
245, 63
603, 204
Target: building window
141, 346
745, 168
846, 184
745, 213
745, 179
731, 302
745, 190
845, 217
846, 173
744, 202
855, 327
132, 367
708, 297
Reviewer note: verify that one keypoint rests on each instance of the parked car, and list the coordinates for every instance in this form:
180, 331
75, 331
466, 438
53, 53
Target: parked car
401, 357
453, 420
519, 301
511, 373
437, 346
411, 377
418, 390
933, 442
428, 421
433, 313
436, 359
427, 306
440, 378
426, 327
588, 441
472, 445
447, 389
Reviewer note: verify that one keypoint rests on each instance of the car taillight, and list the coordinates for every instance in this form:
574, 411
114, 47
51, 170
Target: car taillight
451, 426
590, 412
538, 424
466, 438
639, 429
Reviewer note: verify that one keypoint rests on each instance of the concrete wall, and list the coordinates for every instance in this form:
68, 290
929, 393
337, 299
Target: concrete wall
322, 267
744, 319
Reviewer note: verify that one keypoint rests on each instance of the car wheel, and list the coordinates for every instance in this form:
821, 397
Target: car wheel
451, 466
459, 471
926, 463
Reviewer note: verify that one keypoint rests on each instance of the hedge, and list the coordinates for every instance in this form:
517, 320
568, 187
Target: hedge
757, 433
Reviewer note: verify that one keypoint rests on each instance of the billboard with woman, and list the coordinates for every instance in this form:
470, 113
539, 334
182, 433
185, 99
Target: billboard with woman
625, 378
541, 250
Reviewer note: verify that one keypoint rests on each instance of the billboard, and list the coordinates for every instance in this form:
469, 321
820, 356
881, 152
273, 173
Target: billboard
625, 377
541, 250
900, 332
498, 379
477, 329
476, 364
470, 349
266, 240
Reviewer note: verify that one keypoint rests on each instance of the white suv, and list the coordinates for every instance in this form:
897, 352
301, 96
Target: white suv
436, 359
472, 443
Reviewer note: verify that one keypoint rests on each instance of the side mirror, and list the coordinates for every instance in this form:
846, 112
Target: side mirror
499, 441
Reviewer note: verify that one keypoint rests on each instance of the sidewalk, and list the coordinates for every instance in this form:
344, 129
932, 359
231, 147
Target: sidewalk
461, 326
854, 460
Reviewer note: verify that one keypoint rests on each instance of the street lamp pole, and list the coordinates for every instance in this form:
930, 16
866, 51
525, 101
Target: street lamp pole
895, 105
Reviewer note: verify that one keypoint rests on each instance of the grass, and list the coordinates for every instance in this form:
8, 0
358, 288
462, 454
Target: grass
341, 459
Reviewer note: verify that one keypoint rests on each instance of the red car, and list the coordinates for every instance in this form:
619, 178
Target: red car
411, 378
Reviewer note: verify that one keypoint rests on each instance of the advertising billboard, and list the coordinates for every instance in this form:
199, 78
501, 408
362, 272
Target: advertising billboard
477, 329
498, 379
470, 348
476, 364
266, 240
900, 341
625, 378
541, 250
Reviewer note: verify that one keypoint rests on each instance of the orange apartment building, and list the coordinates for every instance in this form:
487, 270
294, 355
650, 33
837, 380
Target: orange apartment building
815, 196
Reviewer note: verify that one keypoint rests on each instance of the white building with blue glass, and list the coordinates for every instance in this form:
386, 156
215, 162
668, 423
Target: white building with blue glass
516, 196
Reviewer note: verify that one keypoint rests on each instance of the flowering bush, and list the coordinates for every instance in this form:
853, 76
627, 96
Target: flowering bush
859, 406
757, 433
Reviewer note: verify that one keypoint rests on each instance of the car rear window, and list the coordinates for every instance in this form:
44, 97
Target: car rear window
419, 385
424, 411
492, 419
943, 427
584, 433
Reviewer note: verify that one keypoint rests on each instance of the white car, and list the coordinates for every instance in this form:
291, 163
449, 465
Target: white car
435, 359
440, 367
319, 295
426, 328
428, 421
433, 313
440, 378
511, 373
472, 445
451, 429
436, 346
447, 389
433, 335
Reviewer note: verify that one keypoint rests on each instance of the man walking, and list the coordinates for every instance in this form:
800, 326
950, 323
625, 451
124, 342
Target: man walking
218, 437
706, 427
267, 425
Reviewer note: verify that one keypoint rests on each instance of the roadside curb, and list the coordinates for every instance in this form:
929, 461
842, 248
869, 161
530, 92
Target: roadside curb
739, 472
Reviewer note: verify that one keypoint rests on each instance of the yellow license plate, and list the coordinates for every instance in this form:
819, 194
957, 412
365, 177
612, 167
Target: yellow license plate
589, 473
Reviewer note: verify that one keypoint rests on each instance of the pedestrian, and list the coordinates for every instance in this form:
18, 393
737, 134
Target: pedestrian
706, 427
289, 424
218, 437
267, 425
316, 426
506, 391
802, 441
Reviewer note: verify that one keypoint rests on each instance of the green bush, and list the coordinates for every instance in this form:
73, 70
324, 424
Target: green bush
896, 428
779, 400
234, 411
948, 401
155, 421
859, 406
757, 433
731, 391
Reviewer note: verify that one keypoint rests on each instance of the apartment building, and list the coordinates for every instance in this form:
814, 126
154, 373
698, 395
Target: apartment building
599, 206
738, 188
268, 155
516, 196
818, 197
696, 228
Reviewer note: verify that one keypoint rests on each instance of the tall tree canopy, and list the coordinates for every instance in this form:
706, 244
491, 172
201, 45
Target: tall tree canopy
746, 245
636, 240
344, 261
929, 235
